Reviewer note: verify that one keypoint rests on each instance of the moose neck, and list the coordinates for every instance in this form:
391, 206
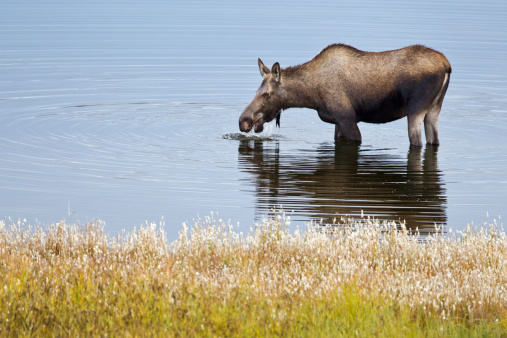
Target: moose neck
299, 89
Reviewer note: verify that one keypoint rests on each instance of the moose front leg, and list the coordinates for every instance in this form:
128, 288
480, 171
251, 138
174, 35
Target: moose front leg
338, 134
348, 128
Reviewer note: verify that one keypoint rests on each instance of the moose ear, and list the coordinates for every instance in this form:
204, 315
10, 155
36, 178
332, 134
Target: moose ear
262, 68
276, 71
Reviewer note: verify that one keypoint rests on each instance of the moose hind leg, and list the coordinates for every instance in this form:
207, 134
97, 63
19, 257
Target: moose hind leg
415, 122
431, 125
431, 118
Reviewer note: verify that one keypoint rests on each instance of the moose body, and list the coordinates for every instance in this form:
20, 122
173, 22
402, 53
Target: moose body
346, 86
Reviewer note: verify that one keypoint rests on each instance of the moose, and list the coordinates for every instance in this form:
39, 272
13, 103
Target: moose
346, 86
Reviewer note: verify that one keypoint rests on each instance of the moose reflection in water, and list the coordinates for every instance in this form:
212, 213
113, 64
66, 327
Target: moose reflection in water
345, 179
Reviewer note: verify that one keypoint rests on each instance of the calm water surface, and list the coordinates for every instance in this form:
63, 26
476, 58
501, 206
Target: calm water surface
127, 112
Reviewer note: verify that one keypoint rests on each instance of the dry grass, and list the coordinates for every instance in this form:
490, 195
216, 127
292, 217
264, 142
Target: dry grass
366, 278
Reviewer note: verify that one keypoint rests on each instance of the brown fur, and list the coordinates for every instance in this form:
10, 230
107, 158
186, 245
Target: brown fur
347, 86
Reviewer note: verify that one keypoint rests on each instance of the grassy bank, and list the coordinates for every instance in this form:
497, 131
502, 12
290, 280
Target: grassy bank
367, 279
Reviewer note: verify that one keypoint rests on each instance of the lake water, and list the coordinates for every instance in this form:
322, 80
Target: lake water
128, 112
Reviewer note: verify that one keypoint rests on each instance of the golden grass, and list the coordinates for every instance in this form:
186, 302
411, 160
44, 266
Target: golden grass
366, 278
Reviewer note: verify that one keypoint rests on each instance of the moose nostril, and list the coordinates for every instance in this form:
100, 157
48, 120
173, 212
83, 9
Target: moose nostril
245, 125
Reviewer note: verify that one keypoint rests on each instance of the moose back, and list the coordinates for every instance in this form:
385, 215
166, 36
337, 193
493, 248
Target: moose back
346, 86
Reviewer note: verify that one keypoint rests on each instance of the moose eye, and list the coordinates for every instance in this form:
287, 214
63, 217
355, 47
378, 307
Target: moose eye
265, 95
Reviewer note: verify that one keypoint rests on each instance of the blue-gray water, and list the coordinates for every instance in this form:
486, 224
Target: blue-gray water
127, 111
